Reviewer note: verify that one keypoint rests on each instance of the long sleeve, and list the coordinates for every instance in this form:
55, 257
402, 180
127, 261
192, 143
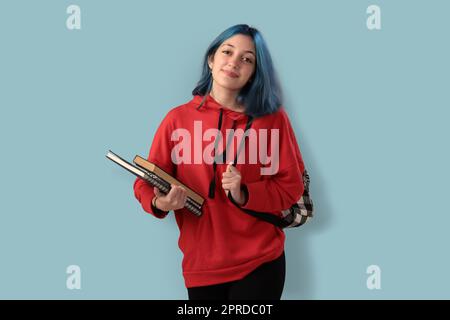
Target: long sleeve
159, 154
273, 193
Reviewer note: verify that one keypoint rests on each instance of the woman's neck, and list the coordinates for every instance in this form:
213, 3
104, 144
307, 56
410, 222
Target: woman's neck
227, 99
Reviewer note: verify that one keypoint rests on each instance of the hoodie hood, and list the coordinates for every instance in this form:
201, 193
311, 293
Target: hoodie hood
212, 105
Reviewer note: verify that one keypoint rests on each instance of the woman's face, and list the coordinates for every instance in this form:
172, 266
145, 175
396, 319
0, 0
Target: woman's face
234, 62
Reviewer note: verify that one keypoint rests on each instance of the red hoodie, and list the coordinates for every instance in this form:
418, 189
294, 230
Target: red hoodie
225, 244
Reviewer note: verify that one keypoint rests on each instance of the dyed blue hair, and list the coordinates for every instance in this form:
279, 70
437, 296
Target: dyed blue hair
262, 94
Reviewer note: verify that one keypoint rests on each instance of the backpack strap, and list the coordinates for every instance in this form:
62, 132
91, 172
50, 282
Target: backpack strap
290, 220
267, 217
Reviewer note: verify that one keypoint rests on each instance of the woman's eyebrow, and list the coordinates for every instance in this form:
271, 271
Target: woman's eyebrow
249, 51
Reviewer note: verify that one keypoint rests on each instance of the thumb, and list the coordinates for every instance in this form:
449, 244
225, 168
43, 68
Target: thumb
232, 168
157, 192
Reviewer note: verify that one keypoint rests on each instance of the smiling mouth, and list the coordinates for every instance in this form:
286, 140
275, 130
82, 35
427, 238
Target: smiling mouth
231, 74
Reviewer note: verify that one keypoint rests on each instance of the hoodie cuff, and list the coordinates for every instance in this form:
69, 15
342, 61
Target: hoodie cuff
158, 212
245, 191
255, 197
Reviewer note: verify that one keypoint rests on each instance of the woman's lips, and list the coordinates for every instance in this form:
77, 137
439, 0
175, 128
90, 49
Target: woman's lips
230, 74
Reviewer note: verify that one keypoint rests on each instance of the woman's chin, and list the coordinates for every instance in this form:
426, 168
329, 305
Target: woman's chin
229, 84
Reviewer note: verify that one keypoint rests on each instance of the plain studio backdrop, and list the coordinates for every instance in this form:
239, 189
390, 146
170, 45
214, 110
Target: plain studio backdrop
369, 109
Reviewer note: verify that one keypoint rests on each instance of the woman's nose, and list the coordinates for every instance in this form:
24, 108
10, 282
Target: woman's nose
234, 63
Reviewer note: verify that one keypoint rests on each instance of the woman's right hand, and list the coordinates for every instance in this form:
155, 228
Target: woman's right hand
174, 200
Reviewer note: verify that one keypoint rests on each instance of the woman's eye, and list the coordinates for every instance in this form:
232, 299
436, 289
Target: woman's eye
247, 60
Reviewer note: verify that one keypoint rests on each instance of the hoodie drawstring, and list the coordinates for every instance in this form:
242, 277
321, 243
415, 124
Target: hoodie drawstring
212, 184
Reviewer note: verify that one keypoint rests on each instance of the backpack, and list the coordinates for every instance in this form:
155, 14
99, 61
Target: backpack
298, 214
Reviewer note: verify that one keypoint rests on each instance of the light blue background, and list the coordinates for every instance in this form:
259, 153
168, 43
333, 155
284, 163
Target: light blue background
369, 109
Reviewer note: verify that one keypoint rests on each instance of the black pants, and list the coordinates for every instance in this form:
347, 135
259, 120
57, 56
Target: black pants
264, 283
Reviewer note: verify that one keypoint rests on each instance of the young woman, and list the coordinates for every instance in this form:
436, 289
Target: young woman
229, 254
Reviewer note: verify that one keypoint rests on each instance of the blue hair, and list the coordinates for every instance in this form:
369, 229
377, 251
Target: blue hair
262, 94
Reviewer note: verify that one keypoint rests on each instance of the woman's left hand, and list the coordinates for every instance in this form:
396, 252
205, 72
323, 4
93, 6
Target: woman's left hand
231, 182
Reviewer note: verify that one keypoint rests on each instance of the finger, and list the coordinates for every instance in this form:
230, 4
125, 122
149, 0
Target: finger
228, 174
173, 194
236, 179
226, 180
179, 189
228, 186
182, 192
231, 184
183, 201
185, 196
180, 197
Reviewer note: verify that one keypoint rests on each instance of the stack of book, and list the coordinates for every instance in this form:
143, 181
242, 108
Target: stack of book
157, 177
